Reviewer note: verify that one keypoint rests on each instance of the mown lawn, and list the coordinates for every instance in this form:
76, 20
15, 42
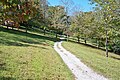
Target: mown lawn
29, 56
94, 58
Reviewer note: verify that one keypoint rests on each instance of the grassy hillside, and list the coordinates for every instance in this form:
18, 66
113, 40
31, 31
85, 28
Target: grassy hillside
27, 56
94, 58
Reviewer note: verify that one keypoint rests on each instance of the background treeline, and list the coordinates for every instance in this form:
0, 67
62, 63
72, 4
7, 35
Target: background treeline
32, 14
101, 26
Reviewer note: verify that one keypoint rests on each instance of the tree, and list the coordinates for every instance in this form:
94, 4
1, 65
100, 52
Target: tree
76, 26
109, 13
67, 4
82, 25
56, 16
19, 11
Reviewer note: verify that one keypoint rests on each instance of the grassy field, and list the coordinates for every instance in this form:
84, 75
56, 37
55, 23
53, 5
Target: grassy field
94, 58
30, 56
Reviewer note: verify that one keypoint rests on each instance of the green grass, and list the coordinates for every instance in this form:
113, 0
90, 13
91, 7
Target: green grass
30, 56
94, 58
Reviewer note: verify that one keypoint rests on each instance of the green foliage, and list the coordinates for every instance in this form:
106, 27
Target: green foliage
85, 25
18, 10
116, 47
57, 18
100, 25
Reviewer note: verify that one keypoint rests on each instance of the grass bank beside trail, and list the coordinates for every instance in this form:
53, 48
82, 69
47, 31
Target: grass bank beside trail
94, 58
30, 56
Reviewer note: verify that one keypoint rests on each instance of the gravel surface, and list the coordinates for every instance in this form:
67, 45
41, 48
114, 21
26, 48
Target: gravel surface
79, 69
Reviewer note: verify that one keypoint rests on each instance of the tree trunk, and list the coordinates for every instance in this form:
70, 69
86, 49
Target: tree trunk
78, 39
67, 37
12, 27
44, 31
18, 29
85, 41
26, 28
106, 44
56, 35
98, 43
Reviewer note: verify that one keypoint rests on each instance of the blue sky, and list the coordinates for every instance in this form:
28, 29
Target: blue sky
82, 4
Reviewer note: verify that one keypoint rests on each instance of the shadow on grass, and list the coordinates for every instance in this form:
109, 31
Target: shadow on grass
9, 43
7, 78
28, 38
88, 45
2, 66
115, 58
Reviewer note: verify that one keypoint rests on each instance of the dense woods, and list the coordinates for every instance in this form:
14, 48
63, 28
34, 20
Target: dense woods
100, 26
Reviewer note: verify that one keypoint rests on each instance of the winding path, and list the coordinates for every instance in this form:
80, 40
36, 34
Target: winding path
79, 69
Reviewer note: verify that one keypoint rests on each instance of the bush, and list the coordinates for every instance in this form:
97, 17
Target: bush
116, 48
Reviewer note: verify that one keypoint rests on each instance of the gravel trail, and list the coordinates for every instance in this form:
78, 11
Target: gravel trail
79, 69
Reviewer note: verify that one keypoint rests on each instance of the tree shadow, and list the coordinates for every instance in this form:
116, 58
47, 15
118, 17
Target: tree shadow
26, 39
115, 58
88, 45
3, 66
7, 78
11, 43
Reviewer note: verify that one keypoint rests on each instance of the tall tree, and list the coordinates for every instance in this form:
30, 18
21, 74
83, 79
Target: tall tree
19, 11
56, 16
109, 13
67, 4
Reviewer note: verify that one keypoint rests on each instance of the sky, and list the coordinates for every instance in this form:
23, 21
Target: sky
83, 5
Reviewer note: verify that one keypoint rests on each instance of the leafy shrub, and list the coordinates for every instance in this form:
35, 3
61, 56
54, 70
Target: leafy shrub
116, 47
